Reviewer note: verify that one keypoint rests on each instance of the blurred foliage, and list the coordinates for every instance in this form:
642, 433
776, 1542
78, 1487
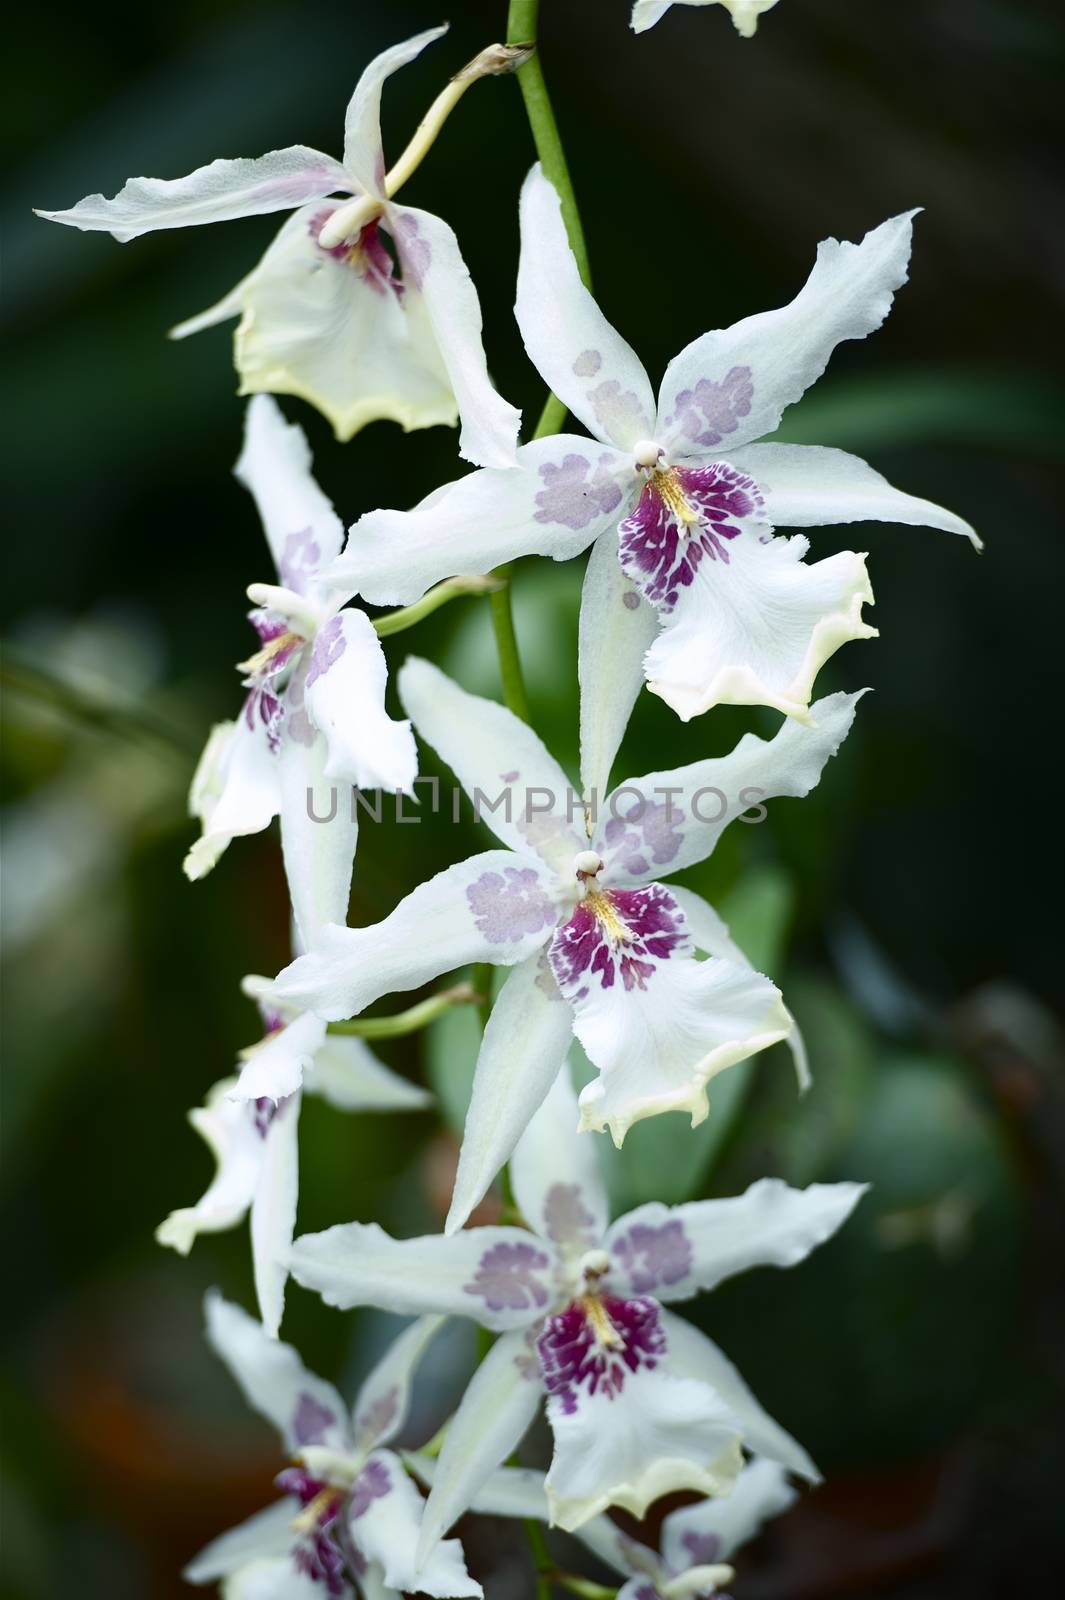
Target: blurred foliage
904, 906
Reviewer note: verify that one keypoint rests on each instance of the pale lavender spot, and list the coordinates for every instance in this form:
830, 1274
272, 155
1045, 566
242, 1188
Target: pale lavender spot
576, 1365
659, 552
619, 412
373, 1483
509, 777
573, 495
630, 600
414, 252
587, 364
709, 411
704, 1548
329, 646
565, 1217
263, 1111
297, 723
380, 1415
508, 906
586, 947
506, 1277
654, 1257
311, 1421
299, 559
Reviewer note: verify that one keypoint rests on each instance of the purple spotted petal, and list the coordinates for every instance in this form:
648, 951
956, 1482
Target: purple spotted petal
654, 1257
576, 493
329, 646
567, 1221
647, 836
704, 1548
299, 561
685, 516
373, 1483
617, 934
508, 906
510, 1277
312, 1421
708, 412
592, 1346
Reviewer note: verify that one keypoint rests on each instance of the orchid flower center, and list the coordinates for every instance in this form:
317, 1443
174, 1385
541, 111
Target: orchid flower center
647, 453
665, 484
587, 866
280, 644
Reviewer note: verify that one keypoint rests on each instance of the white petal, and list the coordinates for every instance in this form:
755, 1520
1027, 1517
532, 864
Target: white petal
274, 1068
734, 384
524, 1045
695, 1356
432, 264
500, 1402
645, 13
346, 683
384, 1524
745, 13
560, 494
305, 1409
319, 825
501, 1277
267, 1533
228, 1128
646, 1434
273, 1212
617, 627
579, 355
235, 790
516, 787
494, 907
807, 486
673, 1252
509, 1492
223, 189
713, 1529
276, 1579
557, 1182
657, 1023
346, 1072
302, 529
333, 329
661, 823
363, 155
383, 1400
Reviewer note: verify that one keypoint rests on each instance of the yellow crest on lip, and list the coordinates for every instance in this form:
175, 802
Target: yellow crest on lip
666, 485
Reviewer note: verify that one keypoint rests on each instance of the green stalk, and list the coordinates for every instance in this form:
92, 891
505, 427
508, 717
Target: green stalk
439, 595
514, 696
409, 1021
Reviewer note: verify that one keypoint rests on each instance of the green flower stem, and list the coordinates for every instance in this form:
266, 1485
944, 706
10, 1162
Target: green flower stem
514, 696
439, 595
412, 1020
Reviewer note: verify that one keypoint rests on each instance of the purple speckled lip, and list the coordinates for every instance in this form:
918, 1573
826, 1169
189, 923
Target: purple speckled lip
616, 933
368, 255
316, 1555
683, 516
592, 1346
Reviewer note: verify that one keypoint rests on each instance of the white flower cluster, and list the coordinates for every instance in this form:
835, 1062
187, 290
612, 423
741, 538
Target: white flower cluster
364, 307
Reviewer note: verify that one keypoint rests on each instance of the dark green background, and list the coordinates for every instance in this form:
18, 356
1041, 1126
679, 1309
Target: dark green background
909, 903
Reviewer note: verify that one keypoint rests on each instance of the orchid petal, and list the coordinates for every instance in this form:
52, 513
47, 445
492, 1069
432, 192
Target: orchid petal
383, 1400
714, 1529
334, 327
273, 1212
277, 1579
215, 193
561, 493
674, 819
302, 529
516, 787
235, 790
274, 1068
744, 13
695, 1356
266, 1534
432, 264
500, 1402
363, 155
524, 1045
347, 1074
673, 1252
384, 1523
305, 1409
809, 486
558, 1185
734, 384
617, 627
228, 1128
500, 1277
493, 907
508, 1492
346, 683
319, 827
578, 354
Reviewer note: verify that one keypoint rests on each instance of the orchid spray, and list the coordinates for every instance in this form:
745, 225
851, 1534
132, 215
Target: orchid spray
364, 308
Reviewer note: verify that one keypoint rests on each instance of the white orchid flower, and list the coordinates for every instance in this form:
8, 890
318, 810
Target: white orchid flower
599, 946
314, 716
744, 13
250, 1127
697, 1541
675, 492
350, 1518
640, 1403
325, 315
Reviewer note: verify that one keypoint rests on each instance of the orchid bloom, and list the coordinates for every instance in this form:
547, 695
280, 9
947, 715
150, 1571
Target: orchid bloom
744, 13
250, 1126
314, 713
324, 315
697, 1540
598, 946
678, 503
640, 1403
350, 1517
